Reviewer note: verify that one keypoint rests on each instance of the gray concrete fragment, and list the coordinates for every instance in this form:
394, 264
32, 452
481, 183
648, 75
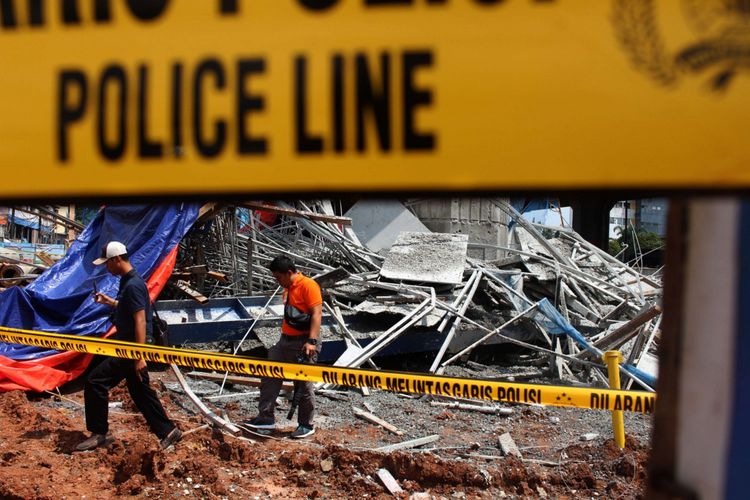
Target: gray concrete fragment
429, 258
589, 436
508, 446
326, 465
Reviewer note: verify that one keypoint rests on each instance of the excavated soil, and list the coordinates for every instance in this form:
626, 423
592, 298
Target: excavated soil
39, 432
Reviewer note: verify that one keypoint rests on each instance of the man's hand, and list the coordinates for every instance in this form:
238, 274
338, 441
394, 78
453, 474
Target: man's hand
309, 350
316, 316
140, 367
103, 298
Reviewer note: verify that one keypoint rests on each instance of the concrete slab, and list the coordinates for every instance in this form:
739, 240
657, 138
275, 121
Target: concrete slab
377, 223
427, 257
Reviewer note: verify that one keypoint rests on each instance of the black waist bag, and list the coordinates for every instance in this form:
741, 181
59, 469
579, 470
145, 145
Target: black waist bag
296, 319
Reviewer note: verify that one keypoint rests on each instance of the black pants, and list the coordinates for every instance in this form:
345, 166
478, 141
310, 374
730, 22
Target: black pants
287, 349
107, 375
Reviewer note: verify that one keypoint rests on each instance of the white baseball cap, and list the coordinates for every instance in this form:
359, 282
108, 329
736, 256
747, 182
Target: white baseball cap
111, 249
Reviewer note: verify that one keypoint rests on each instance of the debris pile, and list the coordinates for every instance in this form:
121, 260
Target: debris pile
561, 300
552, 293
237, 244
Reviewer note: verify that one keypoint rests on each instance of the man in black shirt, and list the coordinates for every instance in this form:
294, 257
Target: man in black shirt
133, 321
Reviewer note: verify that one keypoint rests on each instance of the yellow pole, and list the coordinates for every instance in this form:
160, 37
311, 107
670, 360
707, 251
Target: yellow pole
613, 359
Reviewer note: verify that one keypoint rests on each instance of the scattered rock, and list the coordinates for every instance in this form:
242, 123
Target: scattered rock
508, 446
422, 495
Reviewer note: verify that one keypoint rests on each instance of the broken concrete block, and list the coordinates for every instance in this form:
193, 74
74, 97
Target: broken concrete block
389, 482
427, 257
589, 436
422, 495
508, 446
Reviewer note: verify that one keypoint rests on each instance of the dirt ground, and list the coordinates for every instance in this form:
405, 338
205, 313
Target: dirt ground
39, 432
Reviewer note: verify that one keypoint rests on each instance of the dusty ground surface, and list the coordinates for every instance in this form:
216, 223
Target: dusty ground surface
39, 432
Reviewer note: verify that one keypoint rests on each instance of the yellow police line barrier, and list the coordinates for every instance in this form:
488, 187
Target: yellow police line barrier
416, 383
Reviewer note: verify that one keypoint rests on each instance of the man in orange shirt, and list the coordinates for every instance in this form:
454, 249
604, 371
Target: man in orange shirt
300, 330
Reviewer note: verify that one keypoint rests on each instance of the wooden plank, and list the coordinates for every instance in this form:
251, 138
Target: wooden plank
490, 410
193, 294
413, 443
208, 211
236, 379
377, 420
624, 332
45, 258
195, 271
389, 482
346, 221
217, 276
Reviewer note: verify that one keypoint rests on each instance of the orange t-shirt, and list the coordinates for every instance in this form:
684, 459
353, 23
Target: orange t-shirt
304, 294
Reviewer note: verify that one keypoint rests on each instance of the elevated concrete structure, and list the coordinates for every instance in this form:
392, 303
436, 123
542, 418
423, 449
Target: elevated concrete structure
479, 218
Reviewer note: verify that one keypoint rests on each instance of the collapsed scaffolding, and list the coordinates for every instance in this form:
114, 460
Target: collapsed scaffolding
552, 293
549, 292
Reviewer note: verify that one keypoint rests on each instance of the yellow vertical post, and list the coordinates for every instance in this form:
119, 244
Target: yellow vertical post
613, 359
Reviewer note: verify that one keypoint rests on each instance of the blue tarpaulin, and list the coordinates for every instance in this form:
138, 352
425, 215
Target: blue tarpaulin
30, 223
61, 300
555, 324
552, 322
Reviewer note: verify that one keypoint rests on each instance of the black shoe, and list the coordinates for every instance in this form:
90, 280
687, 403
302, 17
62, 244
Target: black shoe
260, 423
171, 438
302, 431
95, 441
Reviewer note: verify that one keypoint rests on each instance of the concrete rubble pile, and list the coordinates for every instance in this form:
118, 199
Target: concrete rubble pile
553, 293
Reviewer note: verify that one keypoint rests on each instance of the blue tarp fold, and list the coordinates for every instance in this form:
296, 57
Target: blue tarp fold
61, 300
555, 324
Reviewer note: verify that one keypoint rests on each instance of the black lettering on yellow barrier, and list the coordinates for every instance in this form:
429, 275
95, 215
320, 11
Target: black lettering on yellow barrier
36, 12
366, 93
415, 383
142, 10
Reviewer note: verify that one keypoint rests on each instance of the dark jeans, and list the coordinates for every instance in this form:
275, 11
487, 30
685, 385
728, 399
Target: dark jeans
107, 375
287, 349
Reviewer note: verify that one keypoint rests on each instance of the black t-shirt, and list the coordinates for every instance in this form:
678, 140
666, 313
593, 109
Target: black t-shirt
131, 297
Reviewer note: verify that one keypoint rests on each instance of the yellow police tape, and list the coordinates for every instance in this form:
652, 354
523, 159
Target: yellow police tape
416, 383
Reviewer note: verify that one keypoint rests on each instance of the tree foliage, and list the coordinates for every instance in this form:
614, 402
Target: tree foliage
643, 242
